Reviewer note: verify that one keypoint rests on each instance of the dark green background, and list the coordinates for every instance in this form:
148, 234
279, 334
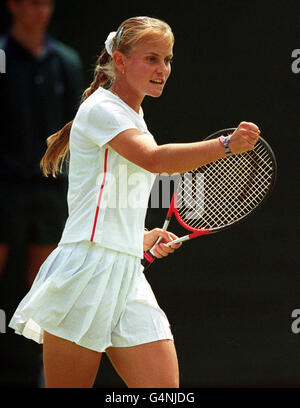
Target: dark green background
229, 297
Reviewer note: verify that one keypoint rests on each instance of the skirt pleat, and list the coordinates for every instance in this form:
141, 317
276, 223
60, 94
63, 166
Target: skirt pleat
78, 294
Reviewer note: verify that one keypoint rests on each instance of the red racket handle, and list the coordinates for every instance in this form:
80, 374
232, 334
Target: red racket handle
148, 259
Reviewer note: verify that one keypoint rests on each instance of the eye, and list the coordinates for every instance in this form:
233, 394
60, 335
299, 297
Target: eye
151, 58
169, 60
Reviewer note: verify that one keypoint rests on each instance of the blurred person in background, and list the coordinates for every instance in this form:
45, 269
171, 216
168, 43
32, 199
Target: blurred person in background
40, 92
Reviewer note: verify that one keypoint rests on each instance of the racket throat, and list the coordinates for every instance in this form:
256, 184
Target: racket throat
196, 234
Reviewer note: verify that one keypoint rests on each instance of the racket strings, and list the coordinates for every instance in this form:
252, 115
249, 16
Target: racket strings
220, 193
237, 190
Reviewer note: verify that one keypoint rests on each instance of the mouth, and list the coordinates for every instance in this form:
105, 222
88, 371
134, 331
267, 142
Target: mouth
157, 81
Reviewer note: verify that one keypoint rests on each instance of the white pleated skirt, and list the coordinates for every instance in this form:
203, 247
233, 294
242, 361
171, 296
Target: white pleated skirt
93, 296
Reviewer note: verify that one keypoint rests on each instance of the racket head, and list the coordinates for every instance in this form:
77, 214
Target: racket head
225, 192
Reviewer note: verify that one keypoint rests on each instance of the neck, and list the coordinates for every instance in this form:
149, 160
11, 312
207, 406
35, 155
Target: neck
128, 95
33, 41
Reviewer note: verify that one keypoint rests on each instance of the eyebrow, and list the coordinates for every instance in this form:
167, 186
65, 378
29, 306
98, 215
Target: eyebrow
158, 55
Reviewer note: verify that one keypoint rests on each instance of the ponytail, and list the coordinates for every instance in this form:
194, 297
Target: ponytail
58, 143
57, 151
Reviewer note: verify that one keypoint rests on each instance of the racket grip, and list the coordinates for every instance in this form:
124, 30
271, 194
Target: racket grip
148, 259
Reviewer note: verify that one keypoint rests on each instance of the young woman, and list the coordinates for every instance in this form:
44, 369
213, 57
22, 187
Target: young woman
90, 295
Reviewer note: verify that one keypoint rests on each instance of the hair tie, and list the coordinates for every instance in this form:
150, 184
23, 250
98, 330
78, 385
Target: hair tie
109, 42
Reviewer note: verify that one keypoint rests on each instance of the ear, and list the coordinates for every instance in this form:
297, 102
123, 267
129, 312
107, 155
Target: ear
119, 60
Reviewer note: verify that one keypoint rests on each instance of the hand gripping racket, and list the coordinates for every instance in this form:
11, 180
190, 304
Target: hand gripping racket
220, 194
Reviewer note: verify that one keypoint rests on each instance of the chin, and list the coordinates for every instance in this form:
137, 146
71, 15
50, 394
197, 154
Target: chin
156, 94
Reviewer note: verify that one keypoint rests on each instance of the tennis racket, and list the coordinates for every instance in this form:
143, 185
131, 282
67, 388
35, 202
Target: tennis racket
220, 194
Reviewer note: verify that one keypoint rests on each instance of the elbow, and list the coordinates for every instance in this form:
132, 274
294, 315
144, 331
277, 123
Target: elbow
151, 162
154, 167
155, 163
162, 163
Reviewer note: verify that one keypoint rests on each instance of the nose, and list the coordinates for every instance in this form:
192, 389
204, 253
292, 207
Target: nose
163, 69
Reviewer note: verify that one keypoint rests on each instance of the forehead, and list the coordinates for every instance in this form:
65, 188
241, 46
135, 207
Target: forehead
159, 46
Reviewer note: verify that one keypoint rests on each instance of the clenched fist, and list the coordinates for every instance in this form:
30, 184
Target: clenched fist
244, 137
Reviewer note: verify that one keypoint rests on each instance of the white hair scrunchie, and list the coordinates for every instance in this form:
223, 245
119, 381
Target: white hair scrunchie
109, 42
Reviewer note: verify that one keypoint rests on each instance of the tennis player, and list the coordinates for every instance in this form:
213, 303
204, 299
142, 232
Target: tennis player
90, 295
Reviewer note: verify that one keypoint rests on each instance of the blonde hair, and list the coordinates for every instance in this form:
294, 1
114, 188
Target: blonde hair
129, 34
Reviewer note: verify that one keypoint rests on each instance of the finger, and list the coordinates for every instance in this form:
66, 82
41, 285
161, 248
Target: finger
168, 236
164, 235
159, 254
246, 131
252, 137
249, 136
165, 249
162, 250
249, 146
249, 126
176, 246
172, 237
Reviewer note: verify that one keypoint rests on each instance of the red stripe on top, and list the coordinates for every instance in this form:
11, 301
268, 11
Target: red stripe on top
100, 195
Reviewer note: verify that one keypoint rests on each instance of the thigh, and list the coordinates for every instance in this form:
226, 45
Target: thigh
149, 365
68, 365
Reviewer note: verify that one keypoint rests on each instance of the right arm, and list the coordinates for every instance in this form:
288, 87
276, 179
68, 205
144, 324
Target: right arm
180, 157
